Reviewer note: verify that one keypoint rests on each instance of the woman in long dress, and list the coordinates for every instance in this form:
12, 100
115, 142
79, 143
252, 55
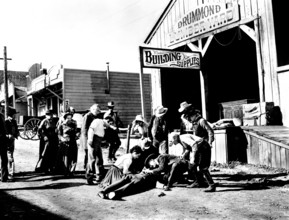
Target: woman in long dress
123, 166
67, 134
48, 144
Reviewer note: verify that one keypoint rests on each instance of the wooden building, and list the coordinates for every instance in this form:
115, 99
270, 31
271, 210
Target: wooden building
244, 51
17, 90
58, 87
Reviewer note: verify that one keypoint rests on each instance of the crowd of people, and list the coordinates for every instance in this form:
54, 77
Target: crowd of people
166, 156
159, 156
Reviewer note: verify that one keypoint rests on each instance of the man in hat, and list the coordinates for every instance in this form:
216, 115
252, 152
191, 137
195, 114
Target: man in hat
113, 114
48, 147
3, 150
67, 153
202, 152
12, 134
158, 130
112, 139
186, 126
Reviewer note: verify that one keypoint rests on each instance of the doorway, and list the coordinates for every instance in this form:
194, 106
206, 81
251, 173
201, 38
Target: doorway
230, 69
179, 85
230, 72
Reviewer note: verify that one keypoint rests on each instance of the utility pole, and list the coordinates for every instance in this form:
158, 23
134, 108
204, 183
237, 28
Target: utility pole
5, 82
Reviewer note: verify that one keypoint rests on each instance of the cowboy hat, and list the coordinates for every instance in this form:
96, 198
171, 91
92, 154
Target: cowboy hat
66, 114
160, 111
12, 111
139, 118
48, 112
184, 106
110, 104
149, 158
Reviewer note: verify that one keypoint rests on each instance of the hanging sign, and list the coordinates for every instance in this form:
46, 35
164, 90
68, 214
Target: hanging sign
202, 19
162, 58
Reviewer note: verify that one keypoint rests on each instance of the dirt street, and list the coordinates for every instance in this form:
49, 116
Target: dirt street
244, 192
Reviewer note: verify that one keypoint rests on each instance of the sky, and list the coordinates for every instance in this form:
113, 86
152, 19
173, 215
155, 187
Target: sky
80, 34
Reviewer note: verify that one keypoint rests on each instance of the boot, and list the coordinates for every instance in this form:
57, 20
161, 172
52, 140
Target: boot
211, 188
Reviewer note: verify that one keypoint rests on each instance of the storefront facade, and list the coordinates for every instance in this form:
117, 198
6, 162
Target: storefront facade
58, 88
242, 57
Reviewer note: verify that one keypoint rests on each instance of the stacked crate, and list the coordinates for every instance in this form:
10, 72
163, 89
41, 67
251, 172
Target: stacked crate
233, 109
254, 114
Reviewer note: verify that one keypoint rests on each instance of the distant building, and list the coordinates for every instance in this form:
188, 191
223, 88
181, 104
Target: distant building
17, 91
58, 87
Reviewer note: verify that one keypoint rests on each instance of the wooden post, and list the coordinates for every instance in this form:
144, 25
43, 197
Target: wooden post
203, 95
203, 90
141, 86
107, 91
6, 83
128, 137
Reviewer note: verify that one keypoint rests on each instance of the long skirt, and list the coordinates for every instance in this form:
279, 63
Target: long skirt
113, 175
67, 158
47, 154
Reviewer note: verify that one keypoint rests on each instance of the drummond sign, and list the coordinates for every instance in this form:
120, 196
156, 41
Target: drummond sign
202, 19
161, 58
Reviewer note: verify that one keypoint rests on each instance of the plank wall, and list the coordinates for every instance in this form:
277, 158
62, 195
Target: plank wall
268, 146
84, 88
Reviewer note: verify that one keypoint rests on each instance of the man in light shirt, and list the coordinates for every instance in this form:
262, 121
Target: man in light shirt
94, 138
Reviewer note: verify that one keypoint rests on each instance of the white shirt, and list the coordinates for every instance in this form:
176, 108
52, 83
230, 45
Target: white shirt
176, 149
96, 127
190, 140
123, 162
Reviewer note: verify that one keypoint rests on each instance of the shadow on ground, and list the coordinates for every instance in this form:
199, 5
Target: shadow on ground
14, 208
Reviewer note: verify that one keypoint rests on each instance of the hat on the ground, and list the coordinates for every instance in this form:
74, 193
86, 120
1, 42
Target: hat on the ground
110, 104
48, 112
139, 118
184, 106
149, 158
160, 111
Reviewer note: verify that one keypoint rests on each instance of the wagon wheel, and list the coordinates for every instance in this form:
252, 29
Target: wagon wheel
31, 127
22, 133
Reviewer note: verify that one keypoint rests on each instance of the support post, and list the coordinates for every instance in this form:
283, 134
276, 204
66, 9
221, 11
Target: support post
141, 87
6, 96
107, 91
128, 137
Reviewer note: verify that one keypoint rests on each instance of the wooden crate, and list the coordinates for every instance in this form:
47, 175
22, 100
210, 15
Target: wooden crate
254, 114
233, 109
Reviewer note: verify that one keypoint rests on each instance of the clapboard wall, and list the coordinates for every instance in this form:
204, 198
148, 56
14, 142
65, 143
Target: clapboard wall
268, 145
85, 87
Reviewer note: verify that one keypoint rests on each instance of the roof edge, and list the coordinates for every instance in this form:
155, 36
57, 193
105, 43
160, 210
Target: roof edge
160, 19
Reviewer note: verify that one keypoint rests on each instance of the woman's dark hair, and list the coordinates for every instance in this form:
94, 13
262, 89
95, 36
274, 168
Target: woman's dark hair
136, 149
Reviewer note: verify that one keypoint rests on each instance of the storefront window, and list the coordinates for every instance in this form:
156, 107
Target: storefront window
280, 13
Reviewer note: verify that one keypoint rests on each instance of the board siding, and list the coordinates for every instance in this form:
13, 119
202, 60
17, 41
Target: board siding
85, 87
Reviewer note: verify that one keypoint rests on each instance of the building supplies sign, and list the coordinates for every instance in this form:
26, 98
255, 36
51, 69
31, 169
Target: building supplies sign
205, 18
161, 58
